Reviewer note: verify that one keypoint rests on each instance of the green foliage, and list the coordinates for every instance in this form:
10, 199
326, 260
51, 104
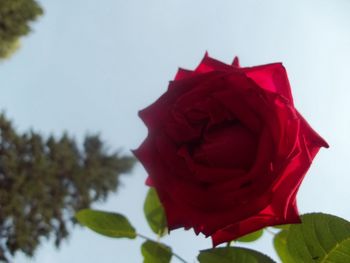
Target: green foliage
106, 223
252, 236
43, 182
8, 48
320, 238
280, 244
15, 18
154, 213
154, 252
232, 255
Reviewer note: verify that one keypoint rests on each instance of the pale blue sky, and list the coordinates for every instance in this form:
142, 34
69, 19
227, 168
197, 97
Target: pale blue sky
91, 65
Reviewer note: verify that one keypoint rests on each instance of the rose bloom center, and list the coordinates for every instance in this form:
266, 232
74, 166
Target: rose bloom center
227, 145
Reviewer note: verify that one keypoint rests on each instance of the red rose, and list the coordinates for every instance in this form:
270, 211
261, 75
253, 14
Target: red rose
227, 150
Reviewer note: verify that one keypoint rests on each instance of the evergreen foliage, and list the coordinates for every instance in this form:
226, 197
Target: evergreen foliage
15, 18
44, 182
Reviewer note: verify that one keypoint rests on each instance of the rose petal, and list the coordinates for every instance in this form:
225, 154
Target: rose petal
209, 64
314, 140
235, 62
158, 111
205, 174
251, 224
183, 74
271, 77
238, 106
227, 145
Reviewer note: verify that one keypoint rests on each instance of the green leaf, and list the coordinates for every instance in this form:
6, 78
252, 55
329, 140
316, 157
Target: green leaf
341, 253
252, 236
280, 244
232, 255
154, 252
154, 213
320, 238
106, 223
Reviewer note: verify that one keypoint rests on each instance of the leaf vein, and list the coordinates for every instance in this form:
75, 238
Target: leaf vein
334, 249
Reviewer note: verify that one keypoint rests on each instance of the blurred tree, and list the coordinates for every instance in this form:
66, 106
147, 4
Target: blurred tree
15, 16
43, 182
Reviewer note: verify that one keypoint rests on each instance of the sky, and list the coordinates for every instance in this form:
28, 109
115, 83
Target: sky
90, 66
